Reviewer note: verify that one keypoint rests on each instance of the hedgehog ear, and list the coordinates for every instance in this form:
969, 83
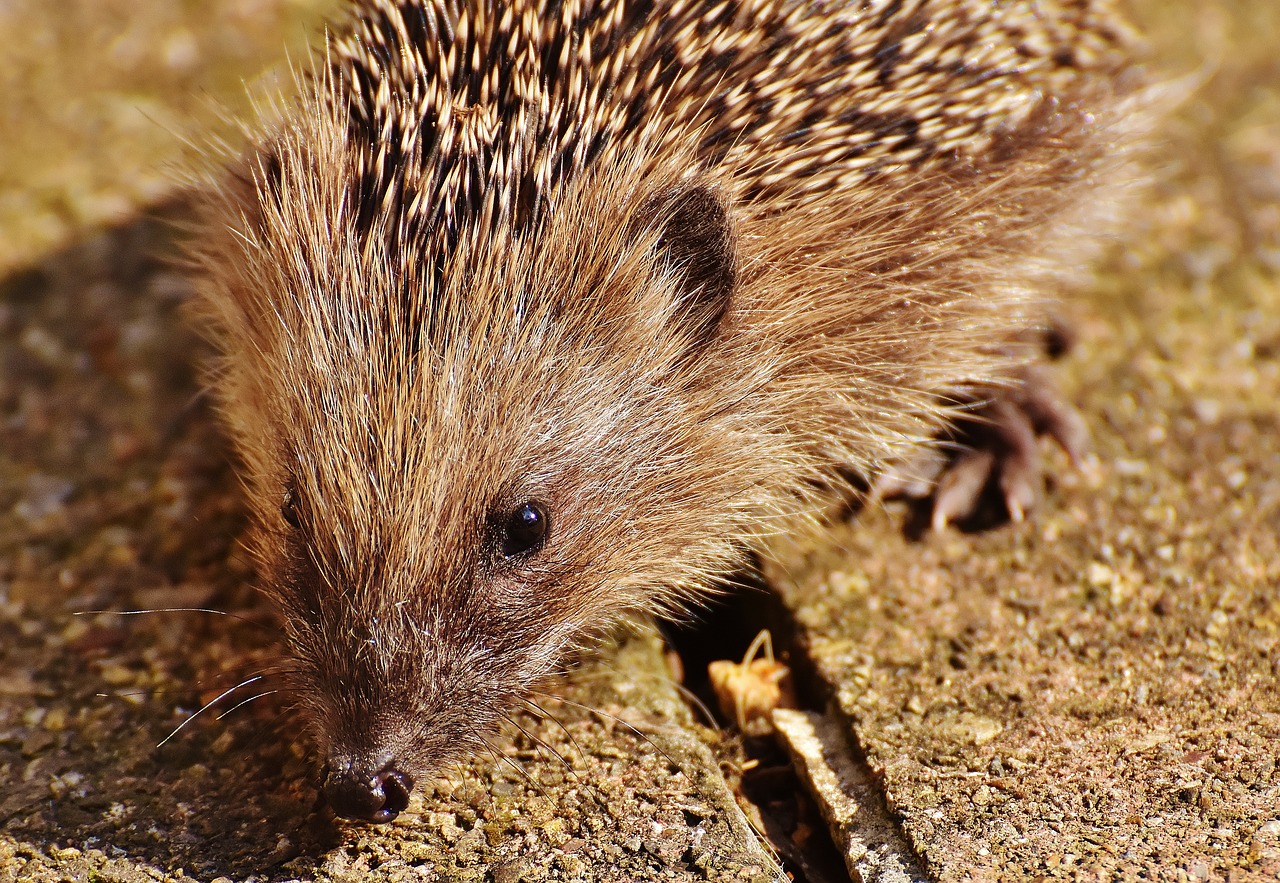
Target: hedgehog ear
695, 237
255, 178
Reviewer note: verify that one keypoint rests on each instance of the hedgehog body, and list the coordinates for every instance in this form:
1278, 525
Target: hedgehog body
536, 314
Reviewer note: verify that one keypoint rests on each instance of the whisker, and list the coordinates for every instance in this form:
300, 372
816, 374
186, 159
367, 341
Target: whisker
689, 696
537, 709
692, 698
235, 616
626, 724
211, 680
541, 744
245, 702
679, 768
515, 766
207, 706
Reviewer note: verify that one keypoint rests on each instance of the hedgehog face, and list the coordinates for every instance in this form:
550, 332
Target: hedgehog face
405, 659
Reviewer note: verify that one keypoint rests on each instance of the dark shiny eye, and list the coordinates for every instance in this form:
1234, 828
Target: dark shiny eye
289, 508
525, 530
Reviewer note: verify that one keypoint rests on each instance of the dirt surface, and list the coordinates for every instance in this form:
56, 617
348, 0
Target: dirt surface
1096, 693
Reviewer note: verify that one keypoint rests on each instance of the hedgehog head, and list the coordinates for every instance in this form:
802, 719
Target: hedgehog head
471, 446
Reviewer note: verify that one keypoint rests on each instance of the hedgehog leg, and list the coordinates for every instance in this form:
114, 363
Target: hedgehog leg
998, 452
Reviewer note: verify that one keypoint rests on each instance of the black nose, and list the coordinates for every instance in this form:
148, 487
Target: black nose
380, 797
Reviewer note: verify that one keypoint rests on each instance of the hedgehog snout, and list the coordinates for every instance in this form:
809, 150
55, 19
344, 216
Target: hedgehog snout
355, 792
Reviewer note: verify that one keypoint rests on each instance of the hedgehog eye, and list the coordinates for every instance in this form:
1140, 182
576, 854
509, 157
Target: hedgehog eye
525, 530
289, 508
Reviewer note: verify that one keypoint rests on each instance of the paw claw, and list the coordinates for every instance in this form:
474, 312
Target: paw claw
914, 478
959, 490
1051, 414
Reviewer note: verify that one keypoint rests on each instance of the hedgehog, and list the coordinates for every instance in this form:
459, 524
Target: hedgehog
534, 316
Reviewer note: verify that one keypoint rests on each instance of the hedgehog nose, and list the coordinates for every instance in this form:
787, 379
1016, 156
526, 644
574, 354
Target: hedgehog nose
379, 797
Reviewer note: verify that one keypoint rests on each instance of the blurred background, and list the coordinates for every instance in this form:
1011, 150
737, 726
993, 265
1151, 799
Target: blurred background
98, 99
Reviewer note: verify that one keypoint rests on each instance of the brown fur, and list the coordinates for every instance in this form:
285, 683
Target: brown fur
662, 266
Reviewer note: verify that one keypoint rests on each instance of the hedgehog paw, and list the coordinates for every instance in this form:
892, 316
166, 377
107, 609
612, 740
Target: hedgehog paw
998, 453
